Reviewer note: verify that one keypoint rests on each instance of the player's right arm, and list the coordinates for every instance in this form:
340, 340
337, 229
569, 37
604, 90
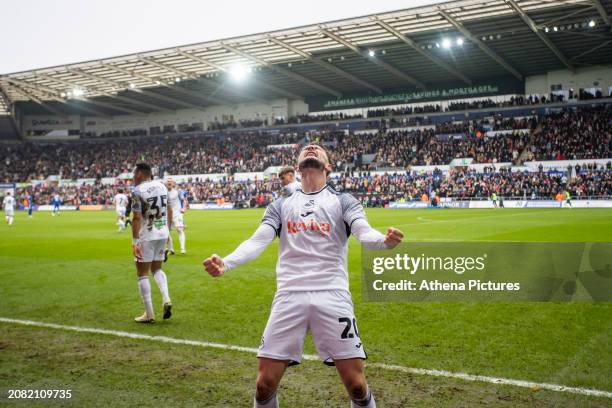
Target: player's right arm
251, 248
246, 252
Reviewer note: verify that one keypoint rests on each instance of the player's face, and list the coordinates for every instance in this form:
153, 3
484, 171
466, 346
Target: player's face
313, 156
138, 177
287, 178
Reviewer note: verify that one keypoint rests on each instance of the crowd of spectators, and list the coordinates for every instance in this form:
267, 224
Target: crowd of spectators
117, 133
321, 117
569, 134
185, 155
574, 134
371, 190
242, 123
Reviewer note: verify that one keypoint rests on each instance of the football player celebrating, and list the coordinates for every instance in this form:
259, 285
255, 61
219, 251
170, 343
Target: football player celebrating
149, 236
313, 225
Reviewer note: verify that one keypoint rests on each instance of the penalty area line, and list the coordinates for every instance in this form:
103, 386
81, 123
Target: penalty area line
389, 367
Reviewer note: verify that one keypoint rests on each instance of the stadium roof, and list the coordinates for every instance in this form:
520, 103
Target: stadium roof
414, 48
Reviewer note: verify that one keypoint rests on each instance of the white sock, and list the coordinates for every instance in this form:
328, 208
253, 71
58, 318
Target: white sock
10, 219
162, 284
271, 402
181, 235
170, 243
144, 286
367, 402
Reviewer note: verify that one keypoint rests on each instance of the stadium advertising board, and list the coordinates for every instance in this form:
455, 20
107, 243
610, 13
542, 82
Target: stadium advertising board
212, 206
496, 86
408, 204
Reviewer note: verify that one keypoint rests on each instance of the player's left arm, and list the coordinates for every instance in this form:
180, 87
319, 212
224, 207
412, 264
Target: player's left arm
354, 216
373, 239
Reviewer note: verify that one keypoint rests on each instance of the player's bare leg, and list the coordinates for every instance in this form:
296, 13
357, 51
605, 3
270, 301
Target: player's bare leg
144, 287
268, 377
353, 377
162, 283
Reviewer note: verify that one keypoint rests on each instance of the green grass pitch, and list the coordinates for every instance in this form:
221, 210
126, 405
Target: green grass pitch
76, 269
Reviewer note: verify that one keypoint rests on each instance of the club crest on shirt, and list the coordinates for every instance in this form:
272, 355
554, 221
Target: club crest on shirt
308, 208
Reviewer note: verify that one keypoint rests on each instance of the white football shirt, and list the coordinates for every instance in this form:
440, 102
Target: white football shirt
8, 203
313, 230
151, 199
121, 200
290, 188
174, 200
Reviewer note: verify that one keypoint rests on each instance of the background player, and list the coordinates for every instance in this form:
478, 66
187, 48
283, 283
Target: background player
568, 198
121, 202
128, 211
28, 203
56, 201
9, 207
176, 201
288, 181
312, 279
149, 236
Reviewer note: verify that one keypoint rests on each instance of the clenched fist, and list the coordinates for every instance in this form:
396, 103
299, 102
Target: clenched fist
393, 237
214, 265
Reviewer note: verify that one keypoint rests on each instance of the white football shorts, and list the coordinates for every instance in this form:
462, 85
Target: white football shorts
8, 212
121, 211
153, 250
329, 316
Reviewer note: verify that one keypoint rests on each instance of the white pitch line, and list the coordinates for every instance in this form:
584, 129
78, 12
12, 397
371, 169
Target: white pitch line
390, 367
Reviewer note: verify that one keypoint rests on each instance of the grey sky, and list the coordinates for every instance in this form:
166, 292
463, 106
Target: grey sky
42, 33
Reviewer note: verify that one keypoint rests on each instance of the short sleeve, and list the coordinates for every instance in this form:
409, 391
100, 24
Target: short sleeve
351, 209
136, 201
272, 216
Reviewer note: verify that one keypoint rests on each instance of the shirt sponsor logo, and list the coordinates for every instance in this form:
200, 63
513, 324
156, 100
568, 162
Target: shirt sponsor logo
293, 227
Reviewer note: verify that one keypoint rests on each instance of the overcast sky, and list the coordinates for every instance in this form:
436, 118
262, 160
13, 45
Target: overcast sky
43, 33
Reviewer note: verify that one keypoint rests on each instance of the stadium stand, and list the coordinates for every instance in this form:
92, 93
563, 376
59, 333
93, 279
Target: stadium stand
580, 133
